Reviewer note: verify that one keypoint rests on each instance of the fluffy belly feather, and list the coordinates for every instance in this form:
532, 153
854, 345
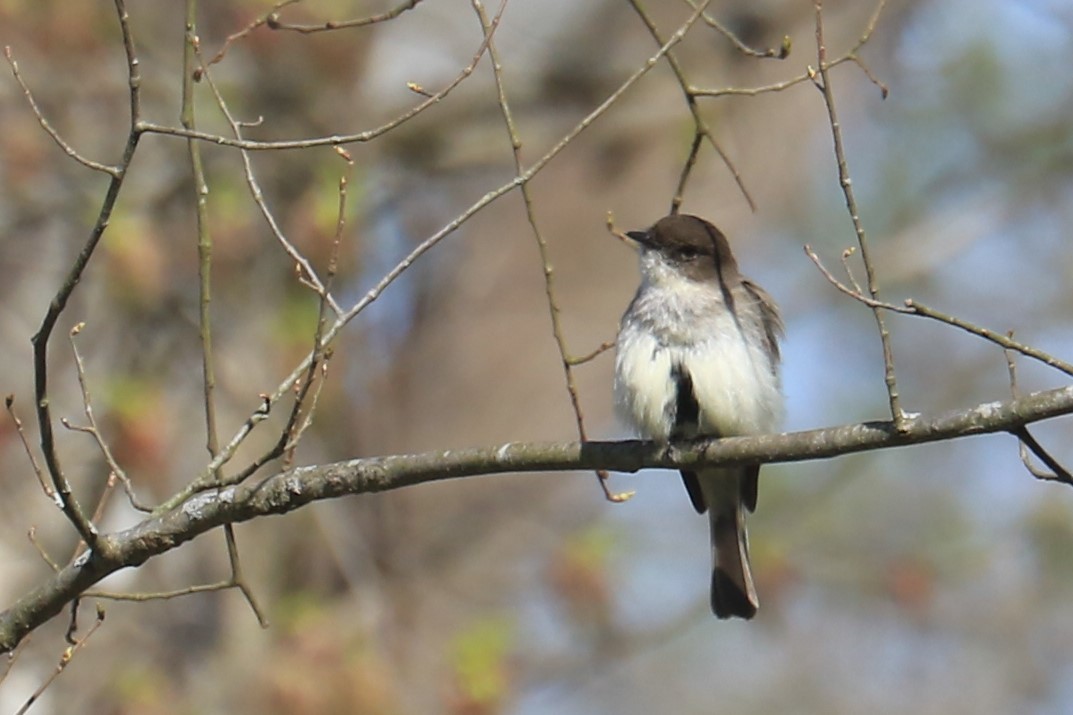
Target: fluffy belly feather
735, 386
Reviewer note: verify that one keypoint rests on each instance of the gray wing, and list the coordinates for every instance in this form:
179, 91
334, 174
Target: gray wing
769, 314
773, 331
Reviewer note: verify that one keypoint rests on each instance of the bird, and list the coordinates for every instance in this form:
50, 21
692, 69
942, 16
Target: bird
697, 356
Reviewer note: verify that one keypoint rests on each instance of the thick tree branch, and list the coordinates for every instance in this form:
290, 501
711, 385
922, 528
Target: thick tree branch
289, 490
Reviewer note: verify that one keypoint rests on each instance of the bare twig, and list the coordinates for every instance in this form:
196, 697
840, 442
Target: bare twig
1026, 442
780, 54
253, 25
276, 24
849, 269
589, 357
318, 366
113, 171
238, 579
916, 308
912, 307
554, 311
310, 410
307, 275
334, 140
65, 660
50, 492
94, 430
204, 480
1059, 473
700, 127
617, 233
851, 55
287, 491
160, 595
10, 658
687, 170
71, 508
754, 91
851, 205
191, 62
32, 536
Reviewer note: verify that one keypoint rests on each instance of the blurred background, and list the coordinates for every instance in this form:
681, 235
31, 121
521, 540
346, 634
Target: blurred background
930, 580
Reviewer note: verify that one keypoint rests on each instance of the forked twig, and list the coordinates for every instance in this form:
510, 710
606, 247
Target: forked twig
191, 63
1026, 442
204, 480
93, 429
701, 131
912, 307
307, 275
589, 357
318, 366
554, 310
260, 21
68, 655
431, 99
851, 55
844, 180
113, 171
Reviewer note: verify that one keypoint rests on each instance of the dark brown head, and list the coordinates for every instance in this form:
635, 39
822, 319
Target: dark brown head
692, 245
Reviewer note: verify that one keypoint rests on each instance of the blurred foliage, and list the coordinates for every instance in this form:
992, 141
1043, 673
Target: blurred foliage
482, 673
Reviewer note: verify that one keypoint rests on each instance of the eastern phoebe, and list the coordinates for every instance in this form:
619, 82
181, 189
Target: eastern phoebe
698, 356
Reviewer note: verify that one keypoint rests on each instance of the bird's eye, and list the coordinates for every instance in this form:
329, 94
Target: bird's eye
688, 253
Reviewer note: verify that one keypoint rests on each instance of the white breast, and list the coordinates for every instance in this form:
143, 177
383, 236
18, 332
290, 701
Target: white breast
736, 386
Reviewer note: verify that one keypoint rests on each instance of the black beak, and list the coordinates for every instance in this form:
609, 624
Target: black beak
641, 237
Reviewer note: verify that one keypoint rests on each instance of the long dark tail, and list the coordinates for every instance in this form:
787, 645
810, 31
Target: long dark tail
733, 592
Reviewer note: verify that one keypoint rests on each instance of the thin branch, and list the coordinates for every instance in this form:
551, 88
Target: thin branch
65, 660
700, 127
589, 357
50, 492
253, 25
318, 366
846, 254
204, 480
307, 276
915, 308
1026, 442
851, 55
276, 24
94, 430
687, 170
287, 491
204, 236
334, 140
161, 595
296, 432
912, 307
1058, 473
71, 508
766, 88
112, 171
306, 273
191, 62
780, 54
554, 311
239, 579
851, 205
32, 536
10, 658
